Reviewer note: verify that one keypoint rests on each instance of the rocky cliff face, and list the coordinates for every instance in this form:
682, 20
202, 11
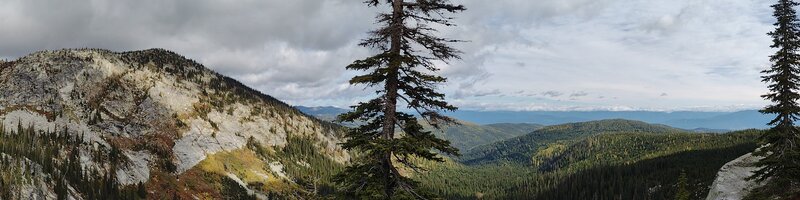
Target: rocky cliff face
162, 113
730, 183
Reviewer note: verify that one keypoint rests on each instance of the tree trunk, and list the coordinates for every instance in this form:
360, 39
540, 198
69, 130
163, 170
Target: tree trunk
390, 104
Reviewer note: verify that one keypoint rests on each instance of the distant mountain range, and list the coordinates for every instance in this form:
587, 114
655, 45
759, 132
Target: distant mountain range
690, 120
463, 136
323, 112
684, 119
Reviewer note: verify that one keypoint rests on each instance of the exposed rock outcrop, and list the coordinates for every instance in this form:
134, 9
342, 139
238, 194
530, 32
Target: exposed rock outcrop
730, 183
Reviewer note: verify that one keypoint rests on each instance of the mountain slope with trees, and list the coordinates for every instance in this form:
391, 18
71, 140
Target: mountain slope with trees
626, 165
519, 149
96, 124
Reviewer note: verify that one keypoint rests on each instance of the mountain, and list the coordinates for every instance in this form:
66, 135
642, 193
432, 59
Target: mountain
96, 124
520, 149
683, 119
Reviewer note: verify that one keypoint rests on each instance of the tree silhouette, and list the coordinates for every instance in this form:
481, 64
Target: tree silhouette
403, 70
782, 142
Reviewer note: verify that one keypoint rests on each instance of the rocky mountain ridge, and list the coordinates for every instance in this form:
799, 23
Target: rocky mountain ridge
160, 111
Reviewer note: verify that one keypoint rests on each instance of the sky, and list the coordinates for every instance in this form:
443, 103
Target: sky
663, 55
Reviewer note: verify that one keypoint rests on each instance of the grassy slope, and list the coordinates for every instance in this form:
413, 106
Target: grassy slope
307, 174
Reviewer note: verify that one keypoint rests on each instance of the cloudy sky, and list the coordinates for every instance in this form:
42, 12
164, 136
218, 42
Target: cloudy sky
522, 54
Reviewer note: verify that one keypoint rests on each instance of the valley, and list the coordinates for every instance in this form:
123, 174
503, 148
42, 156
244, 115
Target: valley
154, 125
605, 159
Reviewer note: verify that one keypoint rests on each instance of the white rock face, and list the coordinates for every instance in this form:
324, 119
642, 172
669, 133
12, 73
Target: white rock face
137, 170
177, 99
277, 168
26, 118
730, 183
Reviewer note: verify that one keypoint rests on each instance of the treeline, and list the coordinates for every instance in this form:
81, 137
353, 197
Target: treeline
54, 156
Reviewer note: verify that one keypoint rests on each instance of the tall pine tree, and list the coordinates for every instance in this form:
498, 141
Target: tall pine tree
403, 72
782, 142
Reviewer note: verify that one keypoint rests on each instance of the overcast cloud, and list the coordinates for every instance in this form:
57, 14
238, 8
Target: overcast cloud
522, 54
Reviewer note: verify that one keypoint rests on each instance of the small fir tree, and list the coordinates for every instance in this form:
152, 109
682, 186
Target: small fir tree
683, 189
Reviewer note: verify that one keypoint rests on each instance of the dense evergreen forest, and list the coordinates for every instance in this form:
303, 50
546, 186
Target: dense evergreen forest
622, 165
520, 148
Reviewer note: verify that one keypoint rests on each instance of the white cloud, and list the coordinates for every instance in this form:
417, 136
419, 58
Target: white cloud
522, 54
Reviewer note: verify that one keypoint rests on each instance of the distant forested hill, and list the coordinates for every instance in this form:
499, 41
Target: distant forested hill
620, 165
466, 135
520, 149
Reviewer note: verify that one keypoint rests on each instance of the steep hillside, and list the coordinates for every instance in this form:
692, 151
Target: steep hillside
156, 122
520, 149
